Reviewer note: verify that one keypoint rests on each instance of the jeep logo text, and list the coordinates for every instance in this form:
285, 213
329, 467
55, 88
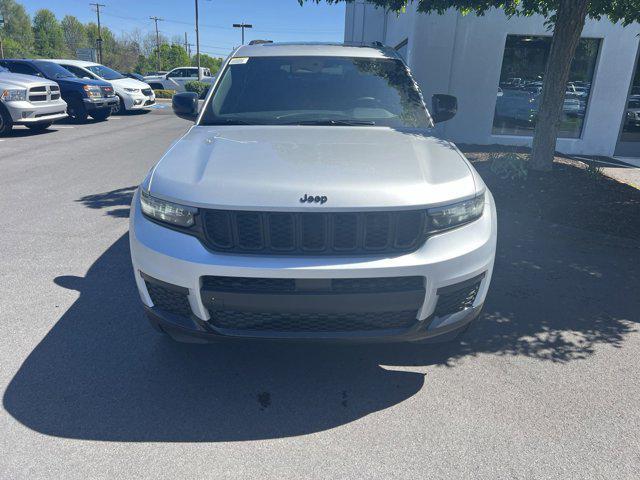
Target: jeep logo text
313, 199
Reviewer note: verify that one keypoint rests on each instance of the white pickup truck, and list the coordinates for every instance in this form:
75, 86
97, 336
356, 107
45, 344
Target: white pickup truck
28, 100
177, 78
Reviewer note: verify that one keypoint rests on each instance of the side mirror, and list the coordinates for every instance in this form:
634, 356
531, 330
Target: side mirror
185, 105
444, 107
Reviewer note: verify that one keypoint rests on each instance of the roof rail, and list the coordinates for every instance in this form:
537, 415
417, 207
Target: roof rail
259, 42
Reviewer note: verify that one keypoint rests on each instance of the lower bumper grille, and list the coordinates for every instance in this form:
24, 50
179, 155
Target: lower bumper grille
312, 322
169, 298
312, 305
456, 298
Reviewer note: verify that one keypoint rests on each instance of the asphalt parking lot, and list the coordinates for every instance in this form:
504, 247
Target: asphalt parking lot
545, 385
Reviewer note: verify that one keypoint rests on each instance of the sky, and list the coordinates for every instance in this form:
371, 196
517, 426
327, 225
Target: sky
278, 20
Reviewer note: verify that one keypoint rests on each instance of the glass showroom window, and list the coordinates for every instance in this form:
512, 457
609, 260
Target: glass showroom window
522, 78
631, 126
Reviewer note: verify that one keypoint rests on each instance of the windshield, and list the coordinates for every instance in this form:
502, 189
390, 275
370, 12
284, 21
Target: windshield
53, 70
105, 72
313, 90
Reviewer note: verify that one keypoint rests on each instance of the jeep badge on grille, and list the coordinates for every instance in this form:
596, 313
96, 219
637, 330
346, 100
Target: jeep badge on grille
313, 199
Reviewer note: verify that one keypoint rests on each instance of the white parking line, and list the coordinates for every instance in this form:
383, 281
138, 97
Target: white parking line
115, 118
63, 126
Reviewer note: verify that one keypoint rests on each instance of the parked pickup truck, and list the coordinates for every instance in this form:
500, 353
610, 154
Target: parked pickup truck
84, 97
177, 78
30, 101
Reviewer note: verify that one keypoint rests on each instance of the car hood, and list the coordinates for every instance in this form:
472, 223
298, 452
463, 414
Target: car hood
128, 83
24, 81
84, 81
272, 167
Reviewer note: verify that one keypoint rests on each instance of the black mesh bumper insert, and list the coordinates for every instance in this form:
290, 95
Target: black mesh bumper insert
457, 297
312, 305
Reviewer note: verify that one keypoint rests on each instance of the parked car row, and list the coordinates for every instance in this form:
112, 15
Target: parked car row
38, 92
177, 78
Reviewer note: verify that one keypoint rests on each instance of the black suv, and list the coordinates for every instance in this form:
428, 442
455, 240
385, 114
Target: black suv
84, 97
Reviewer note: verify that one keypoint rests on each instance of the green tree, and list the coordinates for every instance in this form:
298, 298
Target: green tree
206, 61
173, 56
75, 34
567, 19
16, 33
49, 39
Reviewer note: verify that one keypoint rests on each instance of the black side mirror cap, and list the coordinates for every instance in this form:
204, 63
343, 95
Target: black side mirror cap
185, 105
444, 107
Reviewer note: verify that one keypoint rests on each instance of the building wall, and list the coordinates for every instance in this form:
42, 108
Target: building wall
462, 55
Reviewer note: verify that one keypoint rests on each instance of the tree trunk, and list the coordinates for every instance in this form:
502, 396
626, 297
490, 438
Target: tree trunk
570, 19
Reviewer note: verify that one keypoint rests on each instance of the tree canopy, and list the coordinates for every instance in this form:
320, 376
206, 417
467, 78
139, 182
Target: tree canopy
624, 11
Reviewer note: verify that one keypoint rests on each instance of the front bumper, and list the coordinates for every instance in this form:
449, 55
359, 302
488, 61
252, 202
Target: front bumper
138, 101
93, 104
24, 112
179, 260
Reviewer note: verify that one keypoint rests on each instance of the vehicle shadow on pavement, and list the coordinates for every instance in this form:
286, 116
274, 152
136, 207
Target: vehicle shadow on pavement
101, 373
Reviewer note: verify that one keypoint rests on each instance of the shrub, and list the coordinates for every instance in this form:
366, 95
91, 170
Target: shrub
509, 166
201, 88
164, 93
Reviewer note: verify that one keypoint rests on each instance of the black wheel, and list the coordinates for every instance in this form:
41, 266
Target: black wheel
101, 115
121, 109
76, 110
6, 124
39, 127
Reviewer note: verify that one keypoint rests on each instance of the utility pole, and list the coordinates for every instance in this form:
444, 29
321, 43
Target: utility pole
186, 45
198, 44
1, 25
157, 19
99, 39
242, 26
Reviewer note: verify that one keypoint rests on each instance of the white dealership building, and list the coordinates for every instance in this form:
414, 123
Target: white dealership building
495, 66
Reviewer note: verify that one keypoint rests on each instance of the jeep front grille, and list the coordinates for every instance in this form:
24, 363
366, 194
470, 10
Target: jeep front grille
297, 233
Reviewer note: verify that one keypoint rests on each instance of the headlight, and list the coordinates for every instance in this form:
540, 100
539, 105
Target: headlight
93, 91
132, 90
14, 95
450, 216
167, 212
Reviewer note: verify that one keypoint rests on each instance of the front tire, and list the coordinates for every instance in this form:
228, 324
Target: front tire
6, 123
39, 127
76, 110
101, 115
122, 109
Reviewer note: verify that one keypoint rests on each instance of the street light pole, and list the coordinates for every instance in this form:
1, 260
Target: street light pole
198, 44
99, 39
157, 19
242, 26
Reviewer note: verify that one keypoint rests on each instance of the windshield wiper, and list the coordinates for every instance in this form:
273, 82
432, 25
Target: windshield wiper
230, 121
347, 123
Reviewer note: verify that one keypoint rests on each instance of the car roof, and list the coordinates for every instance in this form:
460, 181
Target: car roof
316, 49
76, 63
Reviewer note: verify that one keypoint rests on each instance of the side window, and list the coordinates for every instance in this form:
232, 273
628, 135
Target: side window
23, 68
77, 71
190, 72
178, 72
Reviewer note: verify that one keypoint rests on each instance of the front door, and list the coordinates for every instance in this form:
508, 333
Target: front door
629, 141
